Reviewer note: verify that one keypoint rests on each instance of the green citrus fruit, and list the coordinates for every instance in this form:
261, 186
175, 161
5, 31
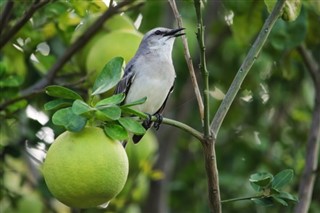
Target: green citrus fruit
85, 169
117, 22
144, 151
122, 43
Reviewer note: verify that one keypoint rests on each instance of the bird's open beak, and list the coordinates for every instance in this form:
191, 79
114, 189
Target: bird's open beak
175, 32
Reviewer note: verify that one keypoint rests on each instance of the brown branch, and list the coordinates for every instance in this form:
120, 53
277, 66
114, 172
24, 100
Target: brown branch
188, 59
25, 18
245, 67
76, 46
309, 175
5, 15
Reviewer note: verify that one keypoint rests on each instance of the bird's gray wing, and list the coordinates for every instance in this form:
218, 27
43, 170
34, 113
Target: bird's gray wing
124, 84
147, 124
165, 101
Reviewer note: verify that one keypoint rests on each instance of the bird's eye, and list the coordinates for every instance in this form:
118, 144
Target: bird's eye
158, 32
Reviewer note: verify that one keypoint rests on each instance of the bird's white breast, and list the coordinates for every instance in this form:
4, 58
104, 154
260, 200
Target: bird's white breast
153, 80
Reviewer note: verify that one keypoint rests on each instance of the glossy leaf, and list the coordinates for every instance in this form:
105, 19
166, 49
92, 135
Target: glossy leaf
114, 100
287, 196
132, 126
116, 131
291, 8
261, 179
279, 200
80, 107
282, 178
263, 201
57, 104
109, 76
257, 188
72, 122
137, 102
62, 92
110, 113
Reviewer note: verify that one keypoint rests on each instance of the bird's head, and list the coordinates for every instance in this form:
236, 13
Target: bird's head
161, 39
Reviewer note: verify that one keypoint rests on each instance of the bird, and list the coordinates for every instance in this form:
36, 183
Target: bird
151, 74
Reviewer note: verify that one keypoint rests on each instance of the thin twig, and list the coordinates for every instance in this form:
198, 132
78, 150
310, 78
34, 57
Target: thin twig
170, 122
309, 175
74, 48
25, 18
188, 59
245, 67
243, 198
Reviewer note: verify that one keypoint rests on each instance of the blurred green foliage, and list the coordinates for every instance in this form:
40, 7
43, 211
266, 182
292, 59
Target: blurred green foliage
265, 130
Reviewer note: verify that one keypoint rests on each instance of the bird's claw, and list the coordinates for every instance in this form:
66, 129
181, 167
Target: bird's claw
147, 122
158, 122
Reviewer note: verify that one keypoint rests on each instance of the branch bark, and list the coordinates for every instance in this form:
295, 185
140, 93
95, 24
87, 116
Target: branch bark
25, 18
309, 175
188, 59
5, 14
208, 142
76, 46
211, 133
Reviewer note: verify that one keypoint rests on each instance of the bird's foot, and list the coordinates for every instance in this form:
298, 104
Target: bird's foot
158, 122
147, 122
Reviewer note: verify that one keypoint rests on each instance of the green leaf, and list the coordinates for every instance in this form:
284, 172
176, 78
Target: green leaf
132, 126
256, 187
279, 200
109, 113
287, 196
72, 122
291, 10
282, 178
113, 100
270, 4
109, 76
17, 105
286, 35
79, 107
11, 81
62, 92
266, 201
261, 179
57, 104
116, 131
137, 102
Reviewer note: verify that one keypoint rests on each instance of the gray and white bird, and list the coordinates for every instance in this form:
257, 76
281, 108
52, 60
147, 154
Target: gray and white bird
150, 73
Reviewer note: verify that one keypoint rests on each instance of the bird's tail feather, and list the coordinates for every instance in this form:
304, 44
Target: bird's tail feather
146, 124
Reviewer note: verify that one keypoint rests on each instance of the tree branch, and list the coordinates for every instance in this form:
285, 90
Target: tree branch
25, 18
170, 122
76, 46
5, 14
188, 59
309, 175
245, 67
203, 68
208, 143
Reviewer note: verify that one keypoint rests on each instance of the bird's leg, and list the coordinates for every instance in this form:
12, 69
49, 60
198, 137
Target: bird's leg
147, 122
158, 122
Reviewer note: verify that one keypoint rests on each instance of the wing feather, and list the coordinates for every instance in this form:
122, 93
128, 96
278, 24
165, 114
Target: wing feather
124, 84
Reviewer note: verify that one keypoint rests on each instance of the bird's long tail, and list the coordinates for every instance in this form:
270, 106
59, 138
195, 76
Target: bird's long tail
146, 124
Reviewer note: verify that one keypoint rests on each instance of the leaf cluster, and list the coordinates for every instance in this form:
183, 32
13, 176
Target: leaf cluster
270, 188
74, 113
